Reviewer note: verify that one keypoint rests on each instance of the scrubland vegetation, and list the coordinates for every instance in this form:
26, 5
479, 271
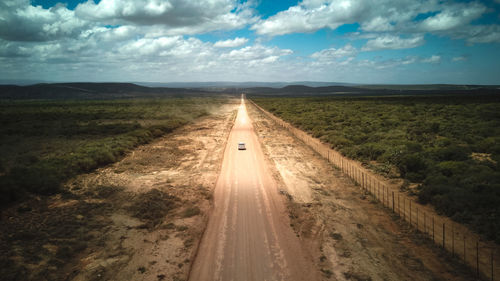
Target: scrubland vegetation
448, 145
44, 143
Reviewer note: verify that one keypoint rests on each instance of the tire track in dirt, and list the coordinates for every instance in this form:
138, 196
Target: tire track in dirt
248, 236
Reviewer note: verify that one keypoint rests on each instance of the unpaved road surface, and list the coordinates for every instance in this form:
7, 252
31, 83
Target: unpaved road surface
248, 235
349, 235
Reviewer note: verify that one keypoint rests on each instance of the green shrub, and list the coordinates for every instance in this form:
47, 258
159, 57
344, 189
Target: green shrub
452, 168
413, 163
370, 151
191, 211
44, 143
428, 139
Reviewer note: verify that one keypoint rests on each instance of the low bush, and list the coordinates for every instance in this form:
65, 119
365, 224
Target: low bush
44, 143
152, 206
450, 145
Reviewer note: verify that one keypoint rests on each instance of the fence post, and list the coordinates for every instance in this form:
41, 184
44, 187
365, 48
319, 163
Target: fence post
383, 195
360, 175
464, 252
492, 278
388, 199
352, 173
410, 212
404, 208
355, 175
399, 206
387, 195
393, 202
444, 246
452, 239
417, 219
477, 258
363, 177
425, 224
367, 186
433, 237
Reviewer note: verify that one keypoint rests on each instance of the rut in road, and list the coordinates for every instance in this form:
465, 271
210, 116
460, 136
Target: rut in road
248, 236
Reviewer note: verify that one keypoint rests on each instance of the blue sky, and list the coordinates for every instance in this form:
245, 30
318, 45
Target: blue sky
356, 41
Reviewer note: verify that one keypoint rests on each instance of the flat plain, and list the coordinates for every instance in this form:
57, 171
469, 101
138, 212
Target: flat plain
129, 188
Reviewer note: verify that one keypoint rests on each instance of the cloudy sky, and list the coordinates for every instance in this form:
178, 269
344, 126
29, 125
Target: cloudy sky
358, 41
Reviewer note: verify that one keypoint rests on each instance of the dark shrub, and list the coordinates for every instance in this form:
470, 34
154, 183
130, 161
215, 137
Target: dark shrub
412, 163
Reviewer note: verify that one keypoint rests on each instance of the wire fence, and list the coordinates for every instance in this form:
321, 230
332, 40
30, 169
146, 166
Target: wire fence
483, 257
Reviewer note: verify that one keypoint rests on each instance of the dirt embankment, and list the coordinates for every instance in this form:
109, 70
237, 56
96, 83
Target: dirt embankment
351, 236
138, 219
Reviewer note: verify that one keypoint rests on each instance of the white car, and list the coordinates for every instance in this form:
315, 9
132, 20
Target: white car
241, 146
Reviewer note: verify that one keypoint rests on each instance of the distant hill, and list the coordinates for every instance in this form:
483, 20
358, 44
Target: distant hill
89, 91
370, 90
445, 87
302, 89
130, 90
222, 85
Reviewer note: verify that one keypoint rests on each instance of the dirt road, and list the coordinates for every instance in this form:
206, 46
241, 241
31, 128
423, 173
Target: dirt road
248, 235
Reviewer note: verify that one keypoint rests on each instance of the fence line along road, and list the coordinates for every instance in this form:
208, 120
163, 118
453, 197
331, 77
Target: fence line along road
483, 257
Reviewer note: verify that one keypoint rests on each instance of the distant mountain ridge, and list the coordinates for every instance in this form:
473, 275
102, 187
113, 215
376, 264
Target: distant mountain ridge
130, 90
89, 91
250, 84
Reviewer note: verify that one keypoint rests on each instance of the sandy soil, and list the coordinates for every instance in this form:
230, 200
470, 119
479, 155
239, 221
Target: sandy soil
249, 235
185, 165
350, 235
139, 219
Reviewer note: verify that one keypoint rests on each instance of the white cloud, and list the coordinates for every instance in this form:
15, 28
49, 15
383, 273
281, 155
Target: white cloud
377, 24
453, 16
393, 43
231, 43
433, 59
152, 40
399, 16
479, 33
147, 46
123, 56
20, 21
256, 53
310, 16
460, 58
392, 63
176, 17
332, 53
